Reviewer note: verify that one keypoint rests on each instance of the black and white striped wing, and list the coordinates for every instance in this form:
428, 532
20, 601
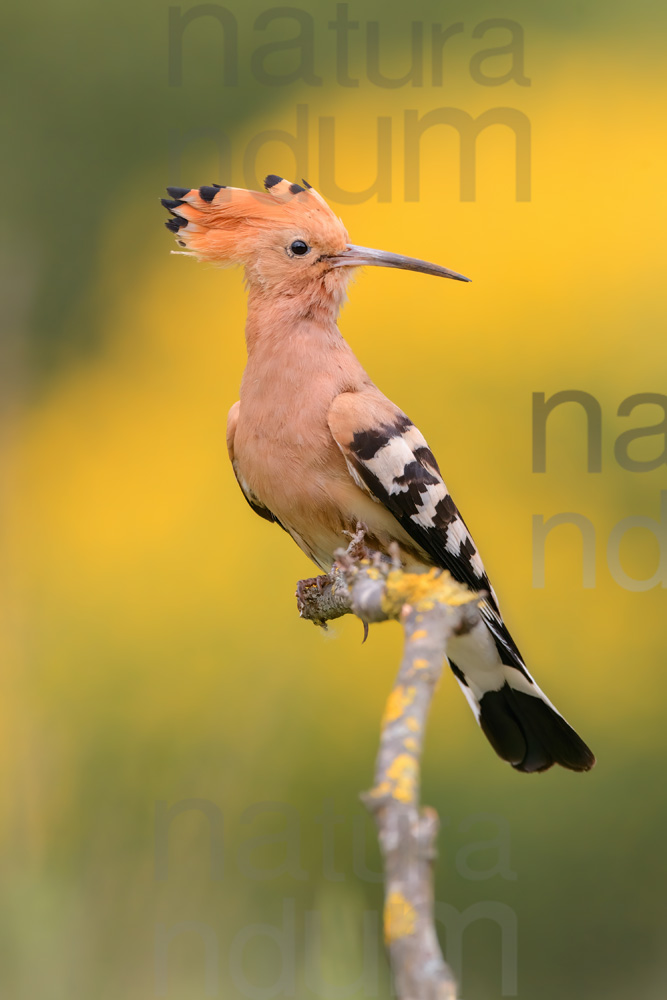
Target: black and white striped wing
392, 461
388, 457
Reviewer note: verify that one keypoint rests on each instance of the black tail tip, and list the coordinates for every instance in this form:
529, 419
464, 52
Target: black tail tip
525, 731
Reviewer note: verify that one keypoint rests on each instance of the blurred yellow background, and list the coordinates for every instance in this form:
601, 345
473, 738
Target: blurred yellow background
151, 644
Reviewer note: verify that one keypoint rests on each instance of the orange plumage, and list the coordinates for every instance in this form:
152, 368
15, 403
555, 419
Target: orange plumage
316, 447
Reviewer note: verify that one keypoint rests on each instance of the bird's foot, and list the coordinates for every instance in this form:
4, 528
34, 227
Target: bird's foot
357, 548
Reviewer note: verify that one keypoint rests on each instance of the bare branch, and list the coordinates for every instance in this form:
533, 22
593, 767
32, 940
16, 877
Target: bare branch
431, 607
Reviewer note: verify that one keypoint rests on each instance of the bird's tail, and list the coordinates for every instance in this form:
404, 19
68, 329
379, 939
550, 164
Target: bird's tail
519, 721
526, 730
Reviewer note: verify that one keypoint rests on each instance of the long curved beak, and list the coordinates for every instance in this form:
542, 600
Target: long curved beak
354, 256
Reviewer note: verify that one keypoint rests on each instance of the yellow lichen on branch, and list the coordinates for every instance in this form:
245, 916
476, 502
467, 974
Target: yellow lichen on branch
399, 917
397, 702
423, 591
403, 773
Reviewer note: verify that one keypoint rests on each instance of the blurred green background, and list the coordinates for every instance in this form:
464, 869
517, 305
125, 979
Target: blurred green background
151, 648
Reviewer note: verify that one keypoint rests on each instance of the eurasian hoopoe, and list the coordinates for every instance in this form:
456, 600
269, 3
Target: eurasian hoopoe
317, 448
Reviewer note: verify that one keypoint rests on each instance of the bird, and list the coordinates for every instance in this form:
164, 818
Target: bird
317, 448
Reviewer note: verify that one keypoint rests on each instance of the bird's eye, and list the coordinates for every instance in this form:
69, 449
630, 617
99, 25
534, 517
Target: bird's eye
299, 248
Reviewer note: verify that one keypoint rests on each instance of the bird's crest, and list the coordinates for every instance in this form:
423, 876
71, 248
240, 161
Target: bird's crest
227, 224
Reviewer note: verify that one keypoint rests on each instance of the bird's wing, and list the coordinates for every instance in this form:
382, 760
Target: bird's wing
254, 501
388, 457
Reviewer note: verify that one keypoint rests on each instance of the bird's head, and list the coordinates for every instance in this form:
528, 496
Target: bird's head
287, 238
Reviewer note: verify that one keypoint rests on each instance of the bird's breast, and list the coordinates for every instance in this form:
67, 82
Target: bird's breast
285, 453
